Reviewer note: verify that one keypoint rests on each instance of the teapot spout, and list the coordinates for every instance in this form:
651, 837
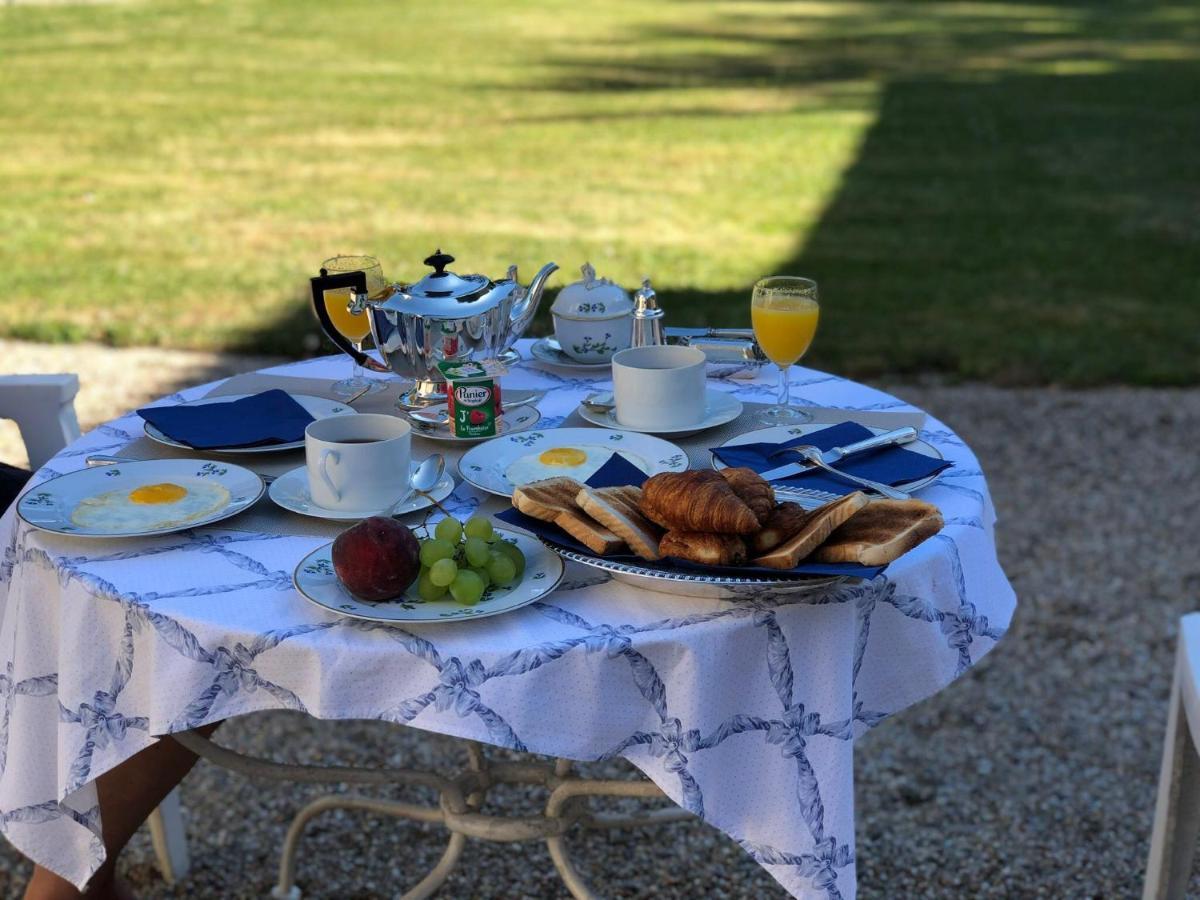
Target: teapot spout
525, 307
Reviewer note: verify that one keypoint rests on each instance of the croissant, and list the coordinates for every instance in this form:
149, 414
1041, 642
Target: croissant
752, 490
704, 548
696, 500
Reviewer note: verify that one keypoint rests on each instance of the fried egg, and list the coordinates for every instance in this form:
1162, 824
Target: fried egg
149, 507
579, 462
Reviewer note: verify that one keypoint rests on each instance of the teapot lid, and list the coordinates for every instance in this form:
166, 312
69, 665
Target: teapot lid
592, 298
440, 283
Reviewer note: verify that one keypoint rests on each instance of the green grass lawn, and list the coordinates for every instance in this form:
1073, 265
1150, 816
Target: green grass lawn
990, 190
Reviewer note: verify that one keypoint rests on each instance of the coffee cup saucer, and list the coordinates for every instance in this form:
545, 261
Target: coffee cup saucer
290, 491
547, 350
719, 407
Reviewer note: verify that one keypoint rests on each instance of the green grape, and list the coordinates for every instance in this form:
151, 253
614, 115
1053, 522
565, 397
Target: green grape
442, 572
434, 549
479, 527
467, 588
429, 591
482, 572
449, 530
513, 552
477, 551
501, 569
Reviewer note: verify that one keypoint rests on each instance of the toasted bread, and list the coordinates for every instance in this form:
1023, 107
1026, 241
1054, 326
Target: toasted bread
704, 547
784, 521
885, 530
816, 527
590, 533
616, 508
553, 500
547, 498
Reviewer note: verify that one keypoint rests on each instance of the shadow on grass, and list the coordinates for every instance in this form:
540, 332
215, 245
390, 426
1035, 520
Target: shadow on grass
1024, 208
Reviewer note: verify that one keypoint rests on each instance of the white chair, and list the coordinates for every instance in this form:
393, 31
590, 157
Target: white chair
1177, 813
43, 406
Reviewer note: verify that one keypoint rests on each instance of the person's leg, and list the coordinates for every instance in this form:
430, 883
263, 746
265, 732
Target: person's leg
128, 794
11, 481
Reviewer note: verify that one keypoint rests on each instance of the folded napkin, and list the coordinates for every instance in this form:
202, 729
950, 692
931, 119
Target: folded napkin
271, 417
619, 471
889, 465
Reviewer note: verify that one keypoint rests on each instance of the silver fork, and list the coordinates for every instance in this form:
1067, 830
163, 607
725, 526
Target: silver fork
812, 455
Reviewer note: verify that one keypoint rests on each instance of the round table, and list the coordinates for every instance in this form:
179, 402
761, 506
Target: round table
744, 712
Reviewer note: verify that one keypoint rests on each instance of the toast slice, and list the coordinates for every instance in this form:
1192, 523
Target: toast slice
818, 525
618, 510
547, 498
885, 530
553, 500
783, 522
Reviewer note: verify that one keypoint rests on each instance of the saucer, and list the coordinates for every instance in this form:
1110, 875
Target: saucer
719, 408
518, 418
290, 491
547, 350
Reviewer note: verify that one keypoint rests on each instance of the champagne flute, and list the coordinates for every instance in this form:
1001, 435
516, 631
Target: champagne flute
355, 327
784, 310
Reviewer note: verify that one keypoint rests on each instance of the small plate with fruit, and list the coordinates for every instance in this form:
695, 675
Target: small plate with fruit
382, 571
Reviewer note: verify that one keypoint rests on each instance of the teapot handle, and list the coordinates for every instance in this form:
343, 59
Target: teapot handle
357, 282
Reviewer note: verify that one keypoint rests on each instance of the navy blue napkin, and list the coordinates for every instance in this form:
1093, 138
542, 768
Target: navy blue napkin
271, 417
889, 465
619, 471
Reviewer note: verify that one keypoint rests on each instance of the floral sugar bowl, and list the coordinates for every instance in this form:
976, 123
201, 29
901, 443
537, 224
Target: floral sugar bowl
593, 318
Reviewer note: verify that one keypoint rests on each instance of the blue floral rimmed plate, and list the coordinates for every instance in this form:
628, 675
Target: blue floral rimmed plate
140, 498
504, 463
317, 407
315, 580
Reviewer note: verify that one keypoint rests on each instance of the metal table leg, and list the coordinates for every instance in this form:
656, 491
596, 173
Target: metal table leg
461, 797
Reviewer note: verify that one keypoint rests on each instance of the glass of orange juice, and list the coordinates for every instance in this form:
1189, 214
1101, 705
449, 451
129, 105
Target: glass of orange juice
784, 311
355, 327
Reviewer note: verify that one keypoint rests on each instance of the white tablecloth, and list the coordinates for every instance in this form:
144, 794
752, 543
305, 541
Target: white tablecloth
745, 712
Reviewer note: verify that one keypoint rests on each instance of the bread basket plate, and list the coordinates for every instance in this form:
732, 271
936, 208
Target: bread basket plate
504, 463
782, 433
317, 407
664, 580
315, 580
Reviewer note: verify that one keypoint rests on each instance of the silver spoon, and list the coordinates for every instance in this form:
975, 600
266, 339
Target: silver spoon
423, 480
812, 455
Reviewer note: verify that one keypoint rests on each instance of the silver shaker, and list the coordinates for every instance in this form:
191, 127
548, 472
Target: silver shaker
647, 318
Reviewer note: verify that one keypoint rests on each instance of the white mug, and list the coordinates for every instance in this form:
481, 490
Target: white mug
660, 387
358, 462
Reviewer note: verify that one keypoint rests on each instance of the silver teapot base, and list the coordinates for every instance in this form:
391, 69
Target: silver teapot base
429, 391
422, 394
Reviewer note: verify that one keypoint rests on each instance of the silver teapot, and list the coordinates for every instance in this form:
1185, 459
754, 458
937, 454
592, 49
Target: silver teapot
442, 316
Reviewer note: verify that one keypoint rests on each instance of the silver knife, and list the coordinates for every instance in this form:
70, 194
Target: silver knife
829, 457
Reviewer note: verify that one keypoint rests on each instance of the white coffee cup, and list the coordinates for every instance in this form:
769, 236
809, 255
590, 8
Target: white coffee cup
358, 462
659, 388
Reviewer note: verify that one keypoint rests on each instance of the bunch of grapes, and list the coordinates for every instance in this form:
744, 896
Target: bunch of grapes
465, 559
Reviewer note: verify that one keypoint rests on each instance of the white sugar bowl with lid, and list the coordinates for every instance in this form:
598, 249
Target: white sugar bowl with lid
593, 318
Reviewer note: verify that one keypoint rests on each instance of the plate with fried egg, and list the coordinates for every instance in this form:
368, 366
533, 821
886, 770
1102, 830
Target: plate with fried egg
140, 498
505, 463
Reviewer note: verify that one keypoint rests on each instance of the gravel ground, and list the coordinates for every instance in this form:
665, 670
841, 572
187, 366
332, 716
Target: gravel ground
1033, 776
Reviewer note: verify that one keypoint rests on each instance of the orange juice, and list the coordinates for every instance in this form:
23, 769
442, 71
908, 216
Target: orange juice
352, 327
785, 329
